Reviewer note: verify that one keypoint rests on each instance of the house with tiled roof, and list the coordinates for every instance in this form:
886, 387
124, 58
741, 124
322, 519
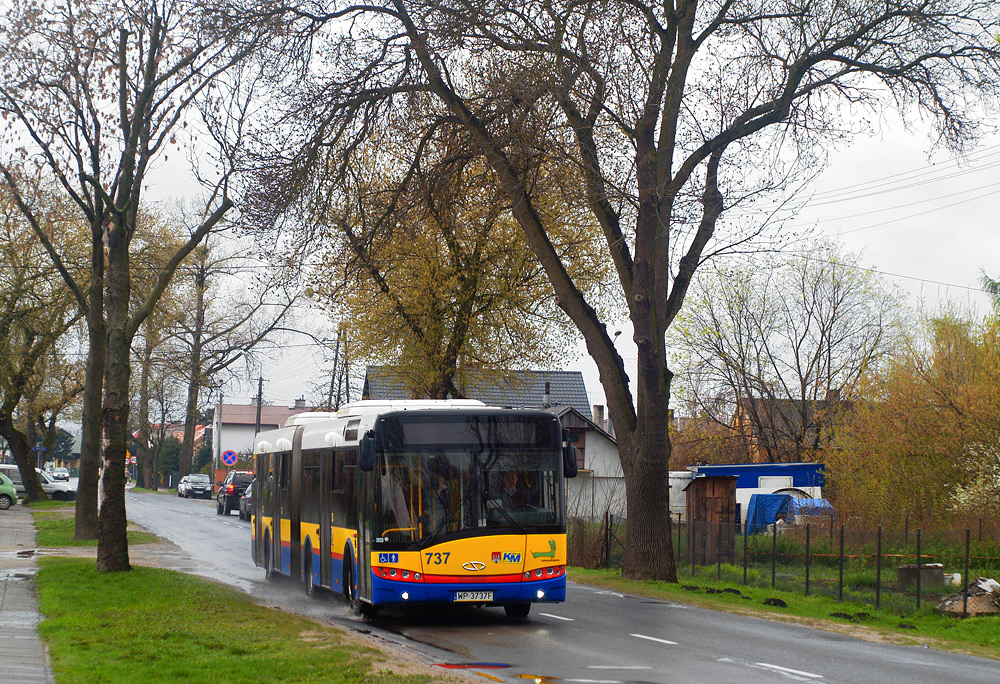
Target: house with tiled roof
516, 389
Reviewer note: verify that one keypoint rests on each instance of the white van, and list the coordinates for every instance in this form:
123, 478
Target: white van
57, 491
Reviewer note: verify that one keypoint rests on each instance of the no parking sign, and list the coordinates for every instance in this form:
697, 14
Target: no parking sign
229, 458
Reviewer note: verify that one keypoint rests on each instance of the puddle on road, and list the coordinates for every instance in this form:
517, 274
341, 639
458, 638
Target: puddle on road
22, 575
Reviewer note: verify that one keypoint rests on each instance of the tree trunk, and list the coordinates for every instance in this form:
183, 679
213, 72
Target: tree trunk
20, 449
649, 550
86, 526
145, 471
112, 541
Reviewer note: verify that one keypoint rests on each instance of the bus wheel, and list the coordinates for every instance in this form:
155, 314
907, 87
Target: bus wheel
350, 595
308, 570
516, 610
268, 569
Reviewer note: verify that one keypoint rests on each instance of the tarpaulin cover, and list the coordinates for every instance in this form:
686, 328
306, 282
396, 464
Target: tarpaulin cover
811, 507
764, 509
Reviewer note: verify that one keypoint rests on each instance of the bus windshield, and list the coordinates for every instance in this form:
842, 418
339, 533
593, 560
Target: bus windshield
427, 494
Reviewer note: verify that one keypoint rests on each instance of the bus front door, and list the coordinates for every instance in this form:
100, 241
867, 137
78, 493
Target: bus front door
366, 521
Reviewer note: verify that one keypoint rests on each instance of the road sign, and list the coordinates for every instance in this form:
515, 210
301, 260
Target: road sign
132, 460
229, 458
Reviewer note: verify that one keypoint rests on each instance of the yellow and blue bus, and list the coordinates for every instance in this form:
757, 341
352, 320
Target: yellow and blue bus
416, 502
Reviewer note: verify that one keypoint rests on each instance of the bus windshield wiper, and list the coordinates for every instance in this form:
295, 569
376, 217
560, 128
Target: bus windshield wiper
513, 523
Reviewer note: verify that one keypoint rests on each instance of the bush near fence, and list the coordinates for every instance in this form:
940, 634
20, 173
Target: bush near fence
862, 565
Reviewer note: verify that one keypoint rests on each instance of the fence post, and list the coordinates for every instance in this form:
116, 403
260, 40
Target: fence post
718, 553
692, 540
607, 539
774, 551
918, 568
677, 551
965, 588
807, 558
840, 582
745, 535
878, 571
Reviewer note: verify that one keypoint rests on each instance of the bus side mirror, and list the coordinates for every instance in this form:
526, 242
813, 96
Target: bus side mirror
570, 466
366, 452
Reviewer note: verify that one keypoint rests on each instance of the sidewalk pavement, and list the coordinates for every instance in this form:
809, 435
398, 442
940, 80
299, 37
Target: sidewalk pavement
23, 658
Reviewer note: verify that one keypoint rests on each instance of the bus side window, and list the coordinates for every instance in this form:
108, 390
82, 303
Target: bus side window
350, 488
337, 490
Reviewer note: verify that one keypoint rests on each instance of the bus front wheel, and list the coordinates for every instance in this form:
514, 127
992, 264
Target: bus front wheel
516, 610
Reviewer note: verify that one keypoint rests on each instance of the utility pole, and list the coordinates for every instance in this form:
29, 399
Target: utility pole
333, 376
260, 400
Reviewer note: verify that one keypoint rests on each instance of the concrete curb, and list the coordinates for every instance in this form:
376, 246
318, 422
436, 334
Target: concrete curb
24, 656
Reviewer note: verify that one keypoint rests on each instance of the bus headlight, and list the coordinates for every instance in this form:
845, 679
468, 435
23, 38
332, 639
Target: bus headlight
405, 596
540, 594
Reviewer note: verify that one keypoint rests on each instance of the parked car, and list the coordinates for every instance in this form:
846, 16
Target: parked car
60, 474
246, 502
197, 485
230, 491
8, 495
58, 491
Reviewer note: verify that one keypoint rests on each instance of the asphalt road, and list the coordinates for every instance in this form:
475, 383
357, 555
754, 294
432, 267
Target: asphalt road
596, 637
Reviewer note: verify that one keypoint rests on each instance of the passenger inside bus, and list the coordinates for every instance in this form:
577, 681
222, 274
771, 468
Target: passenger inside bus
515, 492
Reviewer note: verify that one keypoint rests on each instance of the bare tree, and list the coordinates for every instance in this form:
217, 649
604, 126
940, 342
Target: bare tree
774, 349
233, 305
94, 93
672, 113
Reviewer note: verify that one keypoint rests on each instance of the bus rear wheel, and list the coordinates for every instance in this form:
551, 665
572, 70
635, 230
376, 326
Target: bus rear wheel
516, 610
308, 573
268, 566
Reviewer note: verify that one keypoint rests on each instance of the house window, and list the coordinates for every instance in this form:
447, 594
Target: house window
577, 439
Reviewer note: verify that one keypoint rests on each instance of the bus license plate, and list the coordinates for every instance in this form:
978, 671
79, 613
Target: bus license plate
473, 595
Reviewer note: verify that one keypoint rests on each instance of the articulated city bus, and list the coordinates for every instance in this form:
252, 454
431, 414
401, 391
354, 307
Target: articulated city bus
416, 502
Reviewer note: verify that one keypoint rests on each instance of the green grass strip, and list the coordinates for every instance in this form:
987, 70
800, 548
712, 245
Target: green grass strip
163, 626
55, 528
976, 636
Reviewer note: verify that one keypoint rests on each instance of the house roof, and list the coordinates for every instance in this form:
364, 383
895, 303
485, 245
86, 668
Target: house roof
562, 411
517, 389
246, 414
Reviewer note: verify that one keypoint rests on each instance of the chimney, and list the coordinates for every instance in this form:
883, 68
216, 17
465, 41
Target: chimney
599, 415
546, 398
300, 403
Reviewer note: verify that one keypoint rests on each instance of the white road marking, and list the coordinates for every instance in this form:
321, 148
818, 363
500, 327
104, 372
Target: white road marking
779, 668
618, 667
595, 681
558, 617
649, 638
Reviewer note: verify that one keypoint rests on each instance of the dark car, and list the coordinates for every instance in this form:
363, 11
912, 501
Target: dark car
197, 485
231, 489
246, 503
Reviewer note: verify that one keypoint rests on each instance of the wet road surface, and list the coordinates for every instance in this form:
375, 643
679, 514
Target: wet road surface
596, 637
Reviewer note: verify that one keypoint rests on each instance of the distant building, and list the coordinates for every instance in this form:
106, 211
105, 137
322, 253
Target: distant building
516, 389
234, 425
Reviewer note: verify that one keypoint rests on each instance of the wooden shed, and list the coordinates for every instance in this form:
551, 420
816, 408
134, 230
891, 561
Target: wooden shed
711, 519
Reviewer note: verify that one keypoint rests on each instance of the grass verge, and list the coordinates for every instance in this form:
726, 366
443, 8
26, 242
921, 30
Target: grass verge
54, 525
974, 636
161, 490
163, 626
